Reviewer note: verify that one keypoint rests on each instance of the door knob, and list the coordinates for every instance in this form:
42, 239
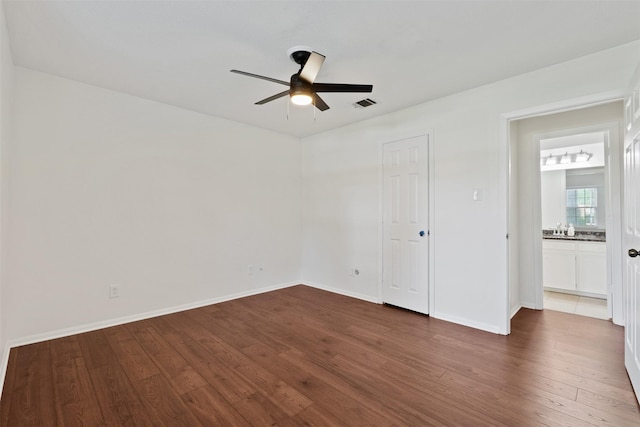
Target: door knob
421, 233
633, 253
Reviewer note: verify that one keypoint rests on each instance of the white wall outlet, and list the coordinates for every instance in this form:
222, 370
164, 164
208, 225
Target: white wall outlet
477, 194
114, 291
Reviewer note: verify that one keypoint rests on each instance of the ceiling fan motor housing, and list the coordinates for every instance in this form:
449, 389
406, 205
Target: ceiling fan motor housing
299, 84
300, 91
300, 57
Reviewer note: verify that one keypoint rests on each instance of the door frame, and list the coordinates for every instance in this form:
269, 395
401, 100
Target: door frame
431, 213
504, 121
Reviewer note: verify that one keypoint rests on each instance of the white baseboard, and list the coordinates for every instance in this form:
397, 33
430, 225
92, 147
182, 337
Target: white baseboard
169, 310
466, 322
515, 311
140, 316
341, 292
453, 319
3, 365
59, 333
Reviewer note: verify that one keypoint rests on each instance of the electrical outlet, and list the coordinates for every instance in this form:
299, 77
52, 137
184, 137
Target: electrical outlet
253, 269
114, 291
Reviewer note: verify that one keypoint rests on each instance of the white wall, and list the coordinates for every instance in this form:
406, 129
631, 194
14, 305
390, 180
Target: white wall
554, 198
341, 181
530, 130
169, 204
6, 107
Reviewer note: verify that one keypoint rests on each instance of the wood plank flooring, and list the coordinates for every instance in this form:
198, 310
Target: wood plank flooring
301, 356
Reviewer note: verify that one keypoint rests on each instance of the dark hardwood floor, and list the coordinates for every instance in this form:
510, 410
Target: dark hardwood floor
301, 356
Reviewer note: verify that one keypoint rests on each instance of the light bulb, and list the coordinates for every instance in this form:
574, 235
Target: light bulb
301, 99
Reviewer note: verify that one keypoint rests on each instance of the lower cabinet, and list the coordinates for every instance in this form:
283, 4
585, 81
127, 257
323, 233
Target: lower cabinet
592, 267
559, 264
579, 267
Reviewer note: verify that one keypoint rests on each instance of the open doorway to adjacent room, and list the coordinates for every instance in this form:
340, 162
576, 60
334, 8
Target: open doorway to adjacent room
573, 201
565, 213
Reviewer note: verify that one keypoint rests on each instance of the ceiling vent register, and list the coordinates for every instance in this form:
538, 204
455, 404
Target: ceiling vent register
364, 103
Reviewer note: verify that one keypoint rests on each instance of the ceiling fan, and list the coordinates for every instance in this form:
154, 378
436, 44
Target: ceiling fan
303, 90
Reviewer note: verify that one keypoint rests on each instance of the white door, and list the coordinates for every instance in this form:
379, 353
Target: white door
405, 251
632, 263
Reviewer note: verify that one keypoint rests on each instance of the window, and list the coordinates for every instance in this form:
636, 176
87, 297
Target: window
582, 205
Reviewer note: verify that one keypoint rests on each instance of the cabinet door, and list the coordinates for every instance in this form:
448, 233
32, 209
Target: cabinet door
559, 269
592, 268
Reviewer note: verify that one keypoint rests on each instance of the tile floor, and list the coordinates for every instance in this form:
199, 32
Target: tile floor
584, 306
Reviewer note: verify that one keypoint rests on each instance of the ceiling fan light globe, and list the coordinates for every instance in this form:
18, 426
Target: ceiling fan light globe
301, 99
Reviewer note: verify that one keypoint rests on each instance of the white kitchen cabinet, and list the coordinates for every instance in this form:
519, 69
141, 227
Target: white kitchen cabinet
578, 267
592, 267
559, 264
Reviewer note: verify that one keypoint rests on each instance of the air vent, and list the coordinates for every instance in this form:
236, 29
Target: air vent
367, 102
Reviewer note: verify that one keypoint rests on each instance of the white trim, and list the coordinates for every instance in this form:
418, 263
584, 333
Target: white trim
528, 306
341, 292
59, 333
566, 105
503, 209
466, 322
432, 223
514, 312
4, 364
538, 272
380, 218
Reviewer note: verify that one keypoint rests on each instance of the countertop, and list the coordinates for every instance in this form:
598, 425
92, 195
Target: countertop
581, 236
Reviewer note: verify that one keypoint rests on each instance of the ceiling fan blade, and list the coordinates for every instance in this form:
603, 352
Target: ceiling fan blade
257, 76
340, 87
312, 67
319, 103
271, 98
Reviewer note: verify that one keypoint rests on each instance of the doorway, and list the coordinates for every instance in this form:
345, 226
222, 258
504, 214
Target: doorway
573, 191
529, 138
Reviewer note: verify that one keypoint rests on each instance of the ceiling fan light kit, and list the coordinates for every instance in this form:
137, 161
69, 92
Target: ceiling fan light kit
302, 87
301, 98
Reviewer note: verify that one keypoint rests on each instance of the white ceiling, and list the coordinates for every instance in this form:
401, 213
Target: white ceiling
180, 52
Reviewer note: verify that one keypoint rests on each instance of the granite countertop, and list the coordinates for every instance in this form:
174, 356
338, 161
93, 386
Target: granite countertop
581, 236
